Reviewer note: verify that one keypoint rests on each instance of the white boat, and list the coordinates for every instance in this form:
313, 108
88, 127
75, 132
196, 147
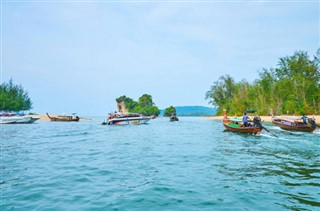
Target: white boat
18, 119
124, 119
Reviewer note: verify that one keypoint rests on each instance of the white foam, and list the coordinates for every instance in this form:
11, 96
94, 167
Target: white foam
270, 135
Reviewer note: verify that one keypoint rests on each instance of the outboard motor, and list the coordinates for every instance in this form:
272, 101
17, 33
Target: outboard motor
257, 121
312, 123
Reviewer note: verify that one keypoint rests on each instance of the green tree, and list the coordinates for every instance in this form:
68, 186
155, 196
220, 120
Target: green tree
14, 97
168, 111
145, 100
130, 104
221, 93
293, 87
299, 78
144, 106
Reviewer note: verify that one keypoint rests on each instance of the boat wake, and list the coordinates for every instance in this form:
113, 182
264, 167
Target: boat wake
271, 136
316, 132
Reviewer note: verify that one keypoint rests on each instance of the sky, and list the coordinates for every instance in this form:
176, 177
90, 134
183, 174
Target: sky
78, 56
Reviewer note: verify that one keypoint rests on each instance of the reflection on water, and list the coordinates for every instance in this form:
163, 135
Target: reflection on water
189, 165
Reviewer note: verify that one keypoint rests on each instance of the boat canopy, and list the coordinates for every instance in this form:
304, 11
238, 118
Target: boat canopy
251, 111
236, 119
288, 118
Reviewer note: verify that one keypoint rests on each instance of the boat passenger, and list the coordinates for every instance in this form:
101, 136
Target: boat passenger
304, 119
245, 119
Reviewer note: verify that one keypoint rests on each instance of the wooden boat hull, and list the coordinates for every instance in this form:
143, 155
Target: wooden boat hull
56, 119
64, 118
292, 126
238, 129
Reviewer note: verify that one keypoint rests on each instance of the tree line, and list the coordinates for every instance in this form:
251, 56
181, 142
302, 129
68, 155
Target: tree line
145, 105
14, 98
293, 87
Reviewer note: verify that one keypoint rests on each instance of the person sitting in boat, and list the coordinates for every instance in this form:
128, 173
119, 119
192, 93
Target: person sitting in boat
245, 119
304, 119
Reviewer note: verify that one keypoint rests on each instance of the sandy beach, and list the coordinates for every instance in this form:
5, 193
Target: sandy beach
44, 117
264, 118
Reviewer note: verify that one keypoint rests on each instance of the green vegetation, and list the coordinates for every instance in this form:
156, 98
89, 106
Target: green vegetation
168, 111
14, 98
293, 87
144, 106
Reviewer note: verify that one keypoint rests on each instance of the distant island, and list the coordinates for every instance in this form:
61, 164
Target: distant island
144, 106
192, 111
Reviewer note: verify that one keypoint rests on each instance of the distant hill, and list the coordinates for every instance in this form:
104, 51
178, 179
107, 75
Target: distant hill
193, 111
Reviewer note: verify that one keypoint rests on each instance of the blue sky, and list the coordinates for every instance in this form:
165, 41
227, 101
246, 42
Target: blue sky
76, 56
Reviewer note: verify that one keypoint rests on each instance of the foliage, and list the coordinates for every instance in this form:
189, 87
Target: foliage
169, 111
129, 103
145, 100
144, 106
14, 97
293, 87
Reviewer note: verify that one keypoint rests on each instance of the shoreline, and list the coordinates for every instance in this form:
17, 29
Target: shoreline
264, 118
44, 117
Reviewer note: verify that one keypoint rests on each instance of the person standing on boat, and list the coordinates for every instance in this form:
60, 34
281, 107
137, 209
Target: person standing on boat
245, 119
304, 119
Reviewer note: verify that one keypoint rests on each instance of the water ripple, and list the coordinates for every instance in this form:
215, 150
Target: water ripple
192, 164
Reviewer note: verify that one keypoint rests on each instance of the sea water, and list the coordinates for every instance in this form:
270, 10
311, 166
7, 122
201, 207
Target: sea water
193, 164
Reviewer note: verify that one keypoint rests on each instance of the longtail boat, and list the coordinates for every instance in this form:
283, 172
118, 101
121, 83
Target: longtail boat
294, 124
64, 118
236, 125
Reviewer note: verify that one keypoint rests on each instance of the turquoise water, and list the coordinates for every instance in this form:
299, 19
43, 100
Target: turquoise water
188, 165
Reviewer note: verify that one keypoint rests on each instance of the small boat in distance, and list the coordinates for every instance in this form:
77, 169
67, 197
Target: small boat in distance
236, 125
64, 118
294, 124
174, 117
124, 119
